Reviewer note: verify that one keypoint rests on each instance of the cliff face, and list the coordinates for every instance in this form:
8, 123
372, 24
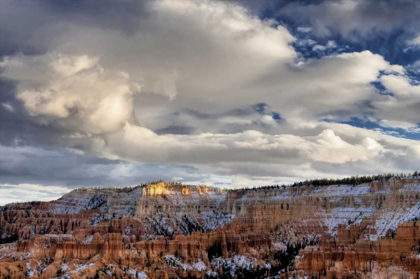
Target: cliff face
176, 231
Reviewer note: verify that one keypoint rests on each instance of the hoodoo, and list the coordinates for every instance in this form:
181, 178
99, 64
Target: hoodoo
166, 230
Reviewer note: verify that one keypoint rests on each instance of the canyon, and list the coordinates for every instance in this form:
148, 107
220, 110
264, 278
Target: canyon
171, 230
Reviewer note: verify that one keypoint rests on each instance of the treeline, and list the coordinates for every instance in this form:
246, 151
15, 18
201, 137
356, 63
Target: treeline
129, 188
114, 189
353, 180
120, 189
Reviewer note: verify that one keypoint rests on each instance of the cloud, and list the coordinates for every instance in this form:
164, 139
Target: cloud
8, 107
243, 181
304, 29
414, 67
326, 147
330, 45
268, 120
406, 126
404, 103
190, 77
30, 192
70, 168
400, 86
75, 91
46, 20
352, 18
195, 90
415, 41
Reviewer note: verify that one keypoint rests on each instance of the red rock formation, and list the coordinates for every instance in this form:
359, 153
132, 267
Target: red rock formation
169, 231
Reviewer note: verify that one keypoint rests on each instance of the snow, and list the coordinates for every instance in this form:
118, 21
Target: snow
383, 191
29, 271
243, 198
24, 257
164, 223
333, 192
412, 187
64, 267
70, 206
127, 230
279, 246
413, 213
160, 224
88, 239
83, 266
335, 199
248, 263
111, 203
218, 197
216, 263
342, 190
137, 274
316, 191
390, 219
411, 177
213, 220
199, 266
283, 196
342, 215
210, 273
238, 261
65, 276
175, 262
96, 201
176, 198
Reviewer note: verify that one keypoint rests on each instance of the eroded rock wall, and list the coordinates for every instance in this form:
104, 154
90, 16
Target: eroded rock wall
171, 230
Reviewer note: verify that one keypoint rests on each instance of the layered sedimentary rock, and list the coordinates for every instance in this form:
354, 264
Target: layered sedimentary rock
168, 230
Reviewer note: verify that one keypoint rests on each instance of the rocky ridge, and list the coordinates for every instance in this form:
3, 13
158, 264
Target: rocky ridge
168, 230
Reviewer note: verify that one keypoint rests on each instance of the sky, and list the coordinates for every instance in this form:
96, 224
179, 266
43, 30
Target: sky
223, 93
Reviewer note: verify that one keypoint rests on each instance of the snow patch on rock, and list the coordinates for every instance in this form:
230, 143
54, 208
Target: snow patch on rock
83, 266
137, 274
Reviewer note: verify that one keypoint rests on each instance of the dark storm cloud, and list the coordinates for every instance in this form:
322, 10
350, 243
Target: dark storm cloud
20, 28
16, 125
61, 167
32, 152
30, 27
175, 130
354, 17
123, 15
260, 108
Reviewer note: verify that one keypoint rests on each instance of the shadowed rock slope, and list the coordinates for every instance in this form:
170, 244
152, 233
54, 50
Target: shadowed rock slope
168, 230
